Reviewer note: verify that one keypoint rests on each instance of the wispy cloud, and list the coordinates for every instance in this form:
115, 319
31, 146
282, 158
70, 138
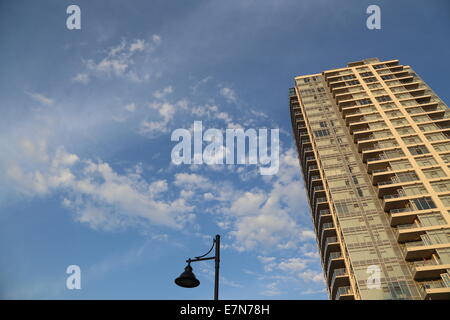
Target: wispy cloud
39, 97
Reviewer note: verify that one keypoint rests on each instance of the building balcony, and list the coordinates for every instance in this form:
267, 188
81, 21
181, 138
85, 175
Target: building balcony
317, 191
420, 250
375, 149
367, 133
412, 232
314, 181
404, 78
335, 260
306, 151
363, 117
307, 160
434, 111
340, 278
436, 290
321, 204
322, 217
366, 128
328, 237
344, 293
384, 156
407, 216
429, 269
387, 182
373, 141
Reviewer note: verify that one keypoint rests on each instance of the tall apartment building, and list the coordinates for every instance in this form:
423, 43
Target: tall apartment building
374, 146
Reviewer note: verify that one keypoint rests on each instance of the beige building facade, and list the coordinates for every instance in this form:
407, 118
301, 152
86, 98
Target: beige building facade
374, 147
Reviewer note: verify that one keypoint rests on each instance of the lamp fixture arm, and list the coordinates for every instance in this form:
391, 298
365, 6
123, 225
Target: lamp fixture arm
200, 258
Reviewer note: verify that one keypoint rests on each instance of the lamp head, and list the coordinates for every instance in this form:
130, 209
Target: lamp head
187, 279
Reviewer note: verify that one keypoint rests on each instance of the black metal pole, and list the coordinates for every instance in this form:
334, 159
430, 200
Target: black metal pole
217, 262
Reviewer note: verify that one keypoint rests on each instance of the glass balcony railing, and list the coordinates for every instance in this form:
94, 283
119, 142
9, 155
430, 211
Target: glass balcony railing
437, 284
393, 196
400, 210
407, 226
381, 170
342, 291
329, 240
337, 273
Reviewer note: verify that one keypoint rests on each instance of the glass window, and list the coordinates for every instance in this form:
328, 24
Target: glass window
418, 150
321, 133
441, 186
423, 203
434, 173
411, 140
426, 161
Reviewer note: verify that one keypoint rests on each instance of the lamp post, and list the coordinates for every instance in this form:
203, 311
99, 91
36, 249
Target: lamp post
188, 280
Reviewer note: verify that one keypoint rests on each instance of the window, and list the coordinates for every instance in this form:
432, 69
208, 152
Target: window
352, 83
441, 186
400, 164
411, 140
441, 147
423, 203
445, 200
306, 80
399, 290
341, 208
323, 124
383, 98
403, 131
321, 133
366, 74
437, 136
434, 173
368, 80
418, 150
360, 193
364, 101
355, 180
388, 77
379, 66
426, 161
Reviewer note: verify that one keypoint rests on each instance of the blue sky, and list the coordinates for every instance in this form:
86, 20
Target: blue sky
86, 117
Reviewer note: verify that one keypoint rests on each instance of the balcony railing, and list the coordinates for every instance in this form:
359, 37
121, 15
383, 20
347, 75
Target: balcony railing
400, 210
337, 273
342, 291
333, 255
329, 240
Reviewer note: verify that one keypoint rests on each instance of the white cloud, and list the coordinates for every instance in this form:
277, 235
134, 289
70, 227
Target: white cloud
153, 127
138, 45
100, 196
40, 98
82, 78
228, 94
191, 180
312, 276
121, 61
159, 94
131, 107
292, 265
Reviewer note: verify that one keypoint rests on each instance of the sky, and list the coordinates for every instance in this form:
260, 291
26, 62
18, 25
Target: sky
86, 176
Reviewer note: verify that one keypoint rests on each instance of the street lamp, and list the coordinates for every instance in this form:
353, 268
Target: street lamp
188, 280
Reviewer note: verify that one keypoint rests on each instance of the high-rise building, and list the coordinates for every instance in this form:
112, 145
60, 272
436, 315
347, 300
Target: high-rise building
374, 146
